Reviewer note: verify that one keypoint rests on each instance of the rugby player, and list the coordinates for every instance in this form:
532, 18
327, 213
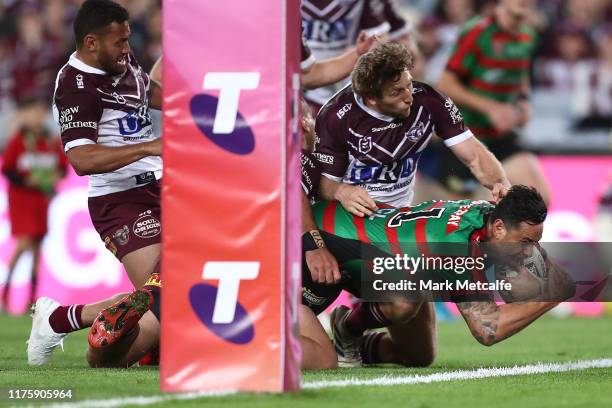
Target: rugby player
101, 103
371, 134
487, 75
410, 338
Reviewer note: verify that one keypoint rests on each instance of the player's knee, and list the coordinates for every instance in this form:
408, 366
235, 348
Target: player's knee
329, 362
401, 312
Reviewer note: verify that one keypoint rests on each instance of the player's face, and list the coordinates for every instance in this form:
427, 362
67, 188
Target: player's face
516, 243
517, 8
396, 98
114, 48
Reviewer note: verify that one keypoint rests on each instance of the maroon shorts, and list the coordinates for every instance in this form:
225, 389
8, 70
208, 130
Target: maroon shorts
128, 220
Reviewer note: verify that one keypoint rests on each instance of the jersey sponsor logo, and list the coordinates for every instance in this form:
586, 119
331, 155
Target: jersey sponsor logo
67, 115
230, 130
366, 173
324, 158
453, 111
218, 307
79, 81
342, 111
147, 226
389, 126
454, 220
365, 144
122, 235
327, 31
134, 122
78, 124
416, 132
311, 298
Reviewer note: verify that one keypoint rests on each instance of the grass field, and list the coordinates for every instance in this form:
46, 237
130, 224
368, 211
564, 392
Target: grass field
548, 340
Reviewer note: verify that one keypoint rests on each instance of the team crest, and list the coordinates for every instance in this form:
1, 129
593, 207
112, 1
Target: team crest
365, 144
416, 132
122, 235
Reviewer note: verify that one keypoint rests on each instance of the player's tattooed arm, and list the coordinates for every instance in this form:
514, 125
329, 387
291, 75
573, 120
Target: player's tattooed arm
491, 323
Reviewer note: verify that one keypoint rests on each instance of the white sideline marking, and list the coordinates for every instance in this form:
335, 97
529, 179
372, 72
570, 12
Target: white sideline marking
384, 381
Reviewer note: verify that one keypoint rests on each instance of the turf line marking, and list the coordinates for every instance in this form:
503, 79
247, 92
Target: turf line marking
385, 381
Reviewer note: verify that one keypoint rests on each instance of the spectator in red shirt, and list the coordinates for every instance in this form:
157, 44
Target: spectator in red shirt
33, 163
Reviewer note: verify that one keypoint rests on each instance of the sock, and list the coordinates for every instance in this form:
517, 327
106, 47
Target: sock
369, 346
66, 319
365, 315
154, 284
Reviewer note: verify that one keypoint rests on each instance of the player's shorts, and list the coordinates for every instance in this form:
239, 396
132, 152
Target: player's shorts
128, 220
457, 178
347, 252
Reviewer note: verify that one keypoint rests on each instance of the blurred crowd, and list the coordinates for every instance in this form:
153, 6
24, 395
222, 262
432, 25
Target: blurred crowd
573, 56
36, 40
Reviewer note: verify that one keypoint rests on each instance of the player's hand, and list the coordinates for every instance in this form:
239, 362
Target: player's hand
365, 42
323, 266
500, 190
355, 200
154, 147
503, 116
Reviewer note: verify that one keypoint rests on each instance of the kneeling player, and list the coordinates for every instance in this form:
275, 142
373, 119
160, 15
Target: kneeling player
410, 338
124, 328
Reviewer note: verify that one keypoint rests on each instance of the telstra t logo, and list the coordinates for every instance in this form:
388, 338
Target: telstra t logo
217, 306
218, 118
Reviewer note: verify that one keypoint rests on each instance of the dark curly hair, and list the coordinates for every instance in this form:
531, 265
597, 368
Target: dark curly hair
521, 204
95, 16
384, 63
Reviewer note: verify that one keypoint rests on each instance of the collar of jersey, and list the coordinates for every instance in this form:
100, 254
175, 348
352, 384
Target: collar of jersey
371, 112
81, 66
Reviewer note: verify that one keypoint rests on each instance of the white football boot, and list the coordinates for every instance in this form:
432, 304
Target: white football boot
347, 345
43, 339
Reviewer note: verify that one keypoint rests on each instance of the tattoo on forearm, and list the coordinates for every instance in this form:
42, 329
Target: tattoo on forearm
482, 319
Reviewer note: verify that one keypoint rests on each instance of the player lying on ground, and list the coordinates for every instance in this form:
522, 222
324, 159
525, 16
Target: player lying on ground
410, 338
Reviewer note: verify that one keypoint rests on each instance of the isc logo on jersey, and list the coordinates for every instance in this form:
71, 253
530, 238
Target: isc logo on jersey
217, 307
230, 130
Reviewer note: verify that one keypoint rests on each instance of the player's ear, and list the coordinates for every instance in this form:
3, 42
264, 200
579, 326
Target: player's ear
90, 42
499, 229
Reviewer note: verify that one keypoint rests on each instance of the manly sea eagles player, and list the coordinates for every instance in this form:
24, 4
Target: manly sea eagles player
101, 102
370, 135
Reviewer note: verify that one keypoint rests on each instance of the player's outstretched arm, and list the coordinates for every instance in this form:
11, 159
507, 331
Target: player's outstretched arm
332, 70
483, 165
95, 159
491, 323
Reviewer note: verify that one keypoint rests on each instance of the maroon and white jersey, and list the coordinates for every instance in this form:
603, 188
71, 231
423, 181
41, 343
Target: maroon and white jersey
332, 26
92, 106
357, 145
311, 175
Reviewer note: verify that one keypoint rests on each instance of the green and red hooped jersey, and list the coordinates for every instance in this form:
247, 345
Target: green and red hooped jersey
412, 231
493, 63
